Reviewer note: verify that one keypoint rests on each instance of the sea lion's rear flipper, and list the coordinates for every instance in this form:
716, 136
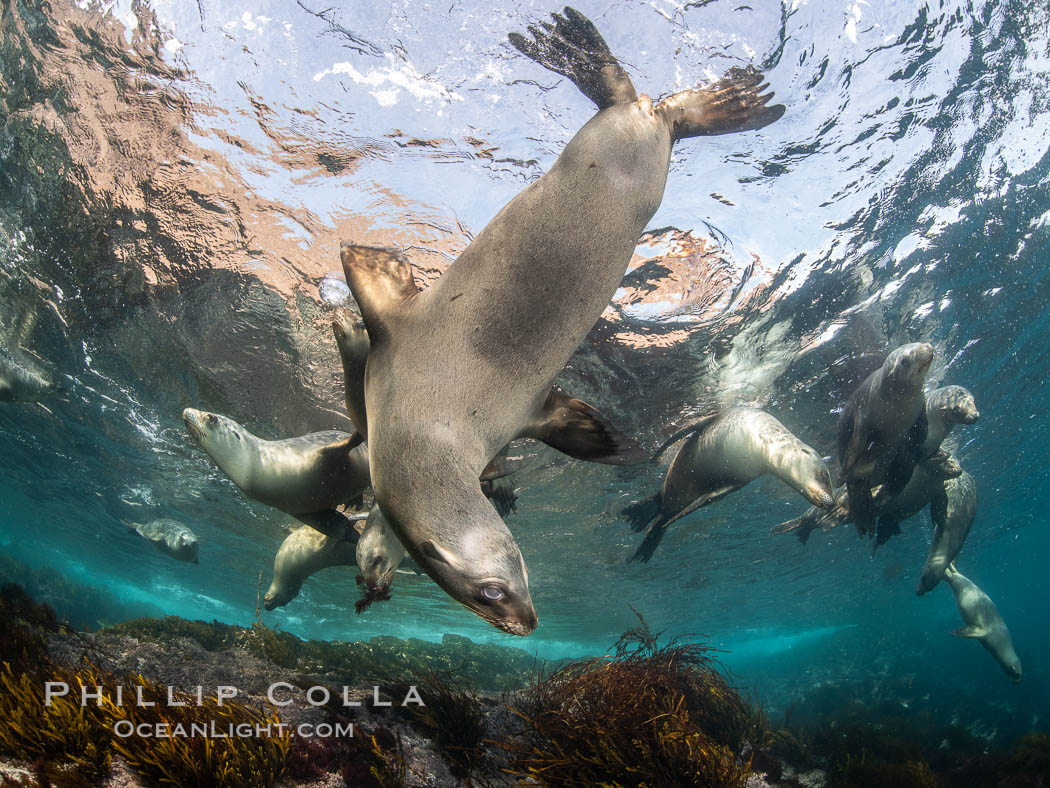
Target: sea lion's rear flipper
658, 527
807, 522
734, 103
380, 280
330, 523
573, 47
861, 506
971, 631
886, 527
581, 431
699, 426
706, 499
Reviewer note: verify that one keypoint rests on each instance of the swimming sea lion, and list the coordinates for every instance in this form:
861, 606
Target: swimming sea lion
723, 453
983, 622
946, 407
19, 382
925, 484
885, 413
952, 514
379, 553
304, 552
459, 370
306, 476
352, 341
170, 537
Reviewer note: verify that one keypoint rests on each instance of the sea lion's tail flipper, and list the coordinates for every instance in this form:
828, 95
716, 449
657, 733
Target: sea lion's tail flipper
734, 103
380, 280
886, 528
581, 431
642, 513
654, 534
573, 47
500, 491
804, 525
658, 526
861, 506
700, 426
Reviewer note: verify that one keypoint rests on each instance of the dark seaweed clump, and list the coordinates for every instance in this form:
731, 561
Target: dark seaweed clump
652, 715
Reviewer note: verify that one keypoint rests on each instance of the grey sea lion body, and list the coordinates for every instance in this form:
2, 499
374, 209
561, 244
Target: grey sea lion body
925, 485
983, 622
19, 382
473, 358
721, 455
170, 537
308, 475
953, 514
305, 552
883, 427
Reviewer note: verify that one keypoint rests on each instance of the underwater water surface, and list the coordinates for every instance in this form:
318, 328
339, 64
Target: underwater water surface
175, 179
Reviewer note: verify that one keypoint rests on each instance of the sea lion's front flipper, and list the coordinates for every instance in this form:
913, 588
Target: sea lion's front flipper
380, 280
352, 339
574, 48
861, 505
887, 526
581, 431
734, 103
971, 631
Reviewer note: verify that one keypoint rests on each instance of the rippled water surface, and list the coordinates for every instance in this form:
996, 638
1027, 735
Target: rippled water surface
176, 179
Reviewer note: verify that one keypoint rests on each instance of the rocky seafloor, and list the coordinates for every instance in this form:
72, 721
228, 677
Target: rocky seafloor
656, 713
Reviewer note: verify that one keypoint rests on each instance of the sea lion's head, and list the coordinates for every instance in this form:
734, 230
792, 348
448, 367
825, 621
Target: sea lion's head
185, 547
280, 593
955, 404
224, 439
805, 470
906, 366
1012, 665
485, 573
379, 552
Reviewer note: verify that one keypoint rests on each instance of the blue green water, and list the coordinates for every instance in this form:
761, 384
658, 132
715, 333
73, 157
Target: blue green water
175, 185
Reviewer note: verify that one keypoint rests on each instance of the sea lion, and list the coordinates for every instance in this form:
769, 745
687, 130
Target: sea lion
19, 382
724, 452
304, 552
170, 537
379, 553
946, 407
983, 622
883, 426
352, 341
306, 476
459, 370
925, 484
952, 514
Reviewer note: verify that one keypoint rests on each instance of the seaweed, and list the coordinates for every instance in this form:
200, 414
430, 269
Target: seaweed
650, 715
451, 716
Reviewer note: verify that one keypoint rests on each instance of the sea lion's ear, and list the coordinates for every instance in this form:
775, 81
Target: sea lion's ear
380, 280
581, 431
436, 552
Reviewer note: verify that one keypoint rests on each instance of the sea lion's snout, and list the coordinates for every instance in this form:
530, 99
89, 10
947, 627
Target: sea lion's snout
526, 626
269, 601
819, 496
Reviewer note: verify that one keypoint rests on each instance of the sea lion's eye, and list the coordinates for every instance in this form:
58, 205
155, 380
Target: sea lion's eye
492, 593
211, 419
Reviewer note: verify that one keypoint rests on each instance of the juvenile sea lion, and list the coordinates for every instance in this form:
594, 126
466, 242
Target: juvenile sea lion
170, 537
306, 476
19, 382
925, 484
457, 371
952, 512
379, 553
723, 453
304, 552
946, 407
983, 622
883, 425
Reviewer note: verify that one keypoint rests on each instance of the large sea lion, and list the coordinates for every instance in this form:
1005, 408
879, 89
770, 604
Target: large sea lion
883, 426
19, 382
925, 485
724, 452
459, 370
983, 622
306, 476
952, 514
352, 341
170, 537
304, 552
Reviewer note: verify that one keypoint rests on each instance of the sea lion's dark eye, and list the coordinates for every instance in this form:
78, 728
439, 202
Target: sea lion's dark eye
492, 593
211, 419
